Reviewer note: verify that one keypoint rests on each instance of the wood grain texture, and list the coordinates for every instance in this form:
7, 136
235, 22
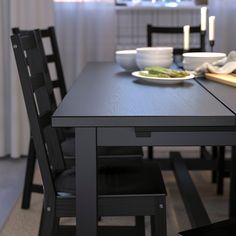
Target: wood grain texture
222, 78
105, 95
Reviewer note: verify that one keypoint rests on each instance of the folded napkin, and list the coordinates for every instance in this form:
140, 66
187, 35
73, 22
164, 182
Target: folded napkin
224, 66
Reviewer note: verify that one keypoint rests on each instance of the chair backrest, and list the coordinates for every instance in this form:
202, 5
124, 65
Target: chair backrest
38, 94
53, 57
176, 30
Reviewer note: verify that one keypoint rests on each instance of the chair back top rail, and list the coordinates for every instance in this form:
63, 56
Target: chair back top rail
172, 30
175, 30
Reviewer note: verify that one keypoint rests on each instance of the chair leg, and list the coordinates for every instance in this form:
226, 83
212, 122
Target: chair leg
214, 156
150, 152
158, 222
49, 223
202, 149
140, 225
220, 170
29, 175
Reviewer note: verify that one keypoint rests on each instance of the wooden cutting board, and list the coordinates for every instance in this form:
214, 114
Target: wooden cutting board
228, 79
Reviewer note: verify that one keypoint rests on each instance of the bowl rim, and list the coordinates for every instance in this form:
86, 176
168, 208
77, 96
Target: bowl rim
151, 49
203, 54
126, 52
154, 56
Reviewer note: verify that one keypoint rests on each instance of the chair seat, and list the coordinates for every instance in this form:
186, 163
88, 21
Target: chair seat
119, 177
223, 228
68, 147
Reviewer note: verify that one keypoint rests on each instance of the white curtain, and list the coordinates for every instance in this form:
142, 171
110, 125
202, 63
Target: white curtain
86, 32
4, 74
14, 128
224, 10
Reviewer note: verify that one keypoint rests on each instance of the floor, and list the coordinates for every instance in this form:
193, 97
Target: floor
10, 185
26, 222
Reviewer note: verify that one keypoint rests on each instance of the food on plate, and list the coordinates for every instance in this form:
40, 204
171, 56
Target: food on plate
161, 72
160, 75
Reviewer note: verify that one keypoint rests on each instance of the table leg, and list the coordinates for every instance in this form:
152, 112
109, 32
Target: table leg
86, 182
232, 200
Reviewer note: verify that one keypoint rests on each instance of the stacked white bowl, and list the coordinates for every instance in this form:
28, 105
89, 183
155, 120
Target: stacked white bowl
192, 60
154, 56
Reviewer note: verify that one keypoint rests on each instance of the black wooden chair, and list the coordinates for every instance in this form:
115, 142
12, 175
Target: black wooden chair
66, 135
176, 31
223, 228
216, 152
223, 168
162, 30
116, 177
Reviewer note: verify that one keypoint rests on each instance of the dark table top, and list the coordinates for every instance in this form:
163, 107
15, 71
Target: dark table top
225, 93
105, 95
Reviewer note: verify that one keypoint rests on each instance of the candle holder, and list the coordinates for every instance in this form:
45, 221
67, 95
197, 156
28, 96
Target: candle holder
212, 43
203, 45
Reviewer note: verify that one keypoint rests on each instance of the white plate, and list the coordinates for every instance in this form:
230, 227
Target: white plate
159, 80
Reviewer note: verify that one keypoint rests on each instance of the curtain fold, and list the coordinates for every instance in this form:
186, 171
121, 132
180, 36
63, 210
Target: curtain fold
25, 15
71, 34
86, 32
14, 127
4, 62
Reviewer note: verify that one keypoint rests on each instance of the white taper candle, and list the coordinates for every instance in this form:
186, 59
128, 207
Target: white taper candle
203, 18
186, 37
212, 28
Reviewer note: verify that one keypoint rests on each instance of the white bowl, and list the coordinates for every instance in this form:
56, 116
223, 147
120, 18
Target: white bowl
192, 60
190, 66
156, 50
142, 63
127, 59
193, 65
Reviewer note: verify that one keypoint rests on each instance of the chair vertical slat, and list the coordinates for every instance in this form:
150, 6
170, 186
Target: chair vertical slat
59, 70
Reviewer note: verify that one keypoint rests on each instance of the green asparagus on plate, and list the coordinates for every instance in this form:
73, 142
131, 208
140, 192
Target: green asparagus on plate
161, 72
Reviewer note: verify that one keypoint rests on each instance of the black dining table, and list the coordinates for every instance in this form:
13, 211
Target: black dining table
109, 107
